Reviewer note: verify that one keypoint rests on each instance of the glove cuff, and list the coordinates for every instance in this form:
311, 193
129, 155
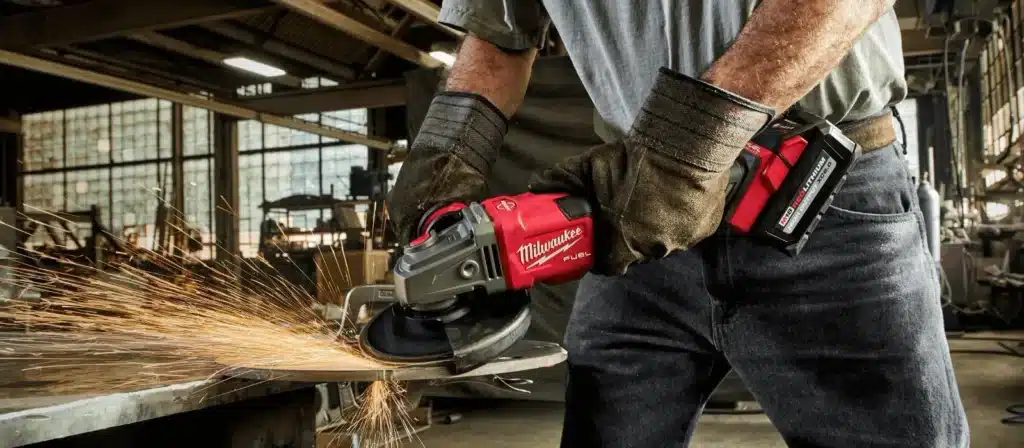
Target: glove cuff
466, 124
696, 122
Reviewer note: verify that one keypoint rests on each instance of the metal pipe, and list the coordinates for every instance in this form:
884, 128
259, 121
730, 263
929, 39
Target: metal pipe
931, 165
138, 88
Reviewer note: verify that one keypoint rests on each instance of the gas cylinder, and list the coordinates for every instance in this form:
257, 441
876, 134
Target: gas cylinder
928, 198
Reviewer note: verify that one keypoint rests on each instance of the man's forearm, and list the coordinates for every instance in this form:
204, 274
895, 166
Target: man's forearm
497, 75
789, 46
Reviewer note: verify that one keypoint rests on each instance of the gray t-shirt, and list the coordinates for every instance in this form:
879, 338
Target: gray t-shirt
617, 47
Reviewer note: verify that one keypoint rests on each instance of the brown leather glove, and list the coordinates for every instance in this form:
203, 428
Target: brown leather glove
663, 187
449, 160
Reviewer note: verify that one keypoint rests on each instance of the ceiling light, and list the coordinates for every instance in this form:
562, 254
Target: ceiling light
445, 57
256, 67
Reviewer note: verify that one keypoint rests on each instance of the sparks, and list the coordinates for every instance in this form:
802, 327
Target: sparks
122, 327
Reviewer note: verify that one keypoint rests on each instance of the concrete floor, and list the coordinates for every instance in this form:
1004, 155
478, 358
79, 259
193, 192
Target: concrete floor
988, 384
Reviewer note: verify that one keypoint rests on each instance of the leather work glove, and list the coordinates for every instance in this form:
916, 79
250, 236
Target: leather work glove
448, 161
662, 188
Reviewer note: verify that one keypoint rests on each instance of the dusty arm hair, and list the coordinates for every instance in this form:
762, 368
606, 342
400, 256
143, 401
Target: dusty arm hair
499, 75
789, 46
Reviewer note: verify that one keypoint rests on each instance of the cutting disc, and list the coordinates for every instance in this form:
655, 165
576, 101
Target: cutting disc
469, 333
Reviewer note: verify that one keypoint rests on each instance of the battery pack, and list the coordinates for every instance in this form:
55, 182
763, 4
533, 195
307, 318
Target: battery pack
803, 196
784, 181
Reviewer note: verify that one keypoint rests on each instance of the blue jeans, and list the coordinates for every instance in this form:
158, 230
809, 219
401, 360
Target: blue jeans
842, 345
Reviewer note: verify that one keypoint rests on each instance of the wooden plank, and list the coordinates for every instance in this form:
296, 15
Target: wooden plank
334, 18
99, 19
427, 12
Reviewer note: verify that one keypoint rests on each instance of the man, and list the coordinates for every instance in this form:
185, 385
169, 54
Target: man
843, 345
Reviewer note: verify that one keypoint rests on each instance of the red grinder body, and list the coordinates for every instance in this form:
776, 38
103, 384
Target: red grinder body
545, 237
542, 237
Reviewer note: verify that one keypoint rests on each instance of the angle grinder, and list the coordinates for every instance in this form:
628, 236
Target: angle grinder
460, 290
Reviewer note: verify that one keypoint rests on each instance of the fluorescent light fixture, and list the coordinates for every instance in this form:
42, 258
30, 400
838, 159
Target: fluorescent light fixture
256, 67
443, 56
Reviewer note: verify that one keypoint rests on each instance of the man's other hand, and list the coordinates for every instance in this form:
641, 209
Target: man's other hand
662, 188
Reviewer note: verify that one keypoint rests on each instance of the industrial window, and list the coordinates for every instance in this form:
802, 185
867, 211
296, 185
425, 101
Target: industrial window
1002, 90
118, 157
278, 162
1002, 101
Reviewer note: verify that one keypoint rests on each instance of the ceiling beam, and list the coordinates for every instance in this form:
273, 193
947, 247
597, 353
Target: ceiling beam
916, 42
99, 19
335, 19
373, 94
427, 12
379, 56
221, 107
104, 62
280, 48
212, 57
10, 125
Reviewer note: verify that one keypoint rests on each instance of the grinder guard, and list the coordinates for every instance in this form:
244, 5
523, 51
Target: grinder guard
489, 327
452, 260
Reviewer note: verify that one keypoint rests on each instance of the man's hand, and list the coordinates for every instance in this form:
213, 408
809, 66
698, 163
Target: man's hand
662, 188
460, 138
449, 160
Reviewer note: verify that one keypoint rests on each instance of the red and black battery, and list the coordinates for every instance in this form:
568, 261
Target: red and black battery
785, 180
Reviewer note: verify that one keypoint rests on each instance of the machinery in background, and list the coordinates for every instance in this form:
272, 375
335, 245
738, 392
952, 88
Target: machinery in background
983, 277
326, 244
368, 184
336, 224
64, 238
9, 257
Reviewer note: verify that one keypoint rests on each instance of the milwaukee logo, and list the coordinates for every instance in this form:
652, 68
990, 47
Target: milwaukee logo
539, 252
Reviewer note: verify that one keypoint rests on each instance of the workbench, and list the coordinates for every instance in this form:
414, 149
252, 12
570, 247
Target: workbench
235, 413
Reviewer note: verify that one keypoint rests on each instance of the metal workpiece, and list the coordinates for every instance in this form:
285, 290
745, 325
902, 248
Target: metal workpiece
236, 410
524, 355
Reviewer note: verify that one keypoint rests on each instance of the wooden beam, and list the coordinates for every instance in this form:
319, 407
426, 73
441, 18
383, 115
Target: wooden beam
335, 19
215, 58
104, 61
380, 56
916, 42
370, 95
10, 125
99, 19
280, 48
202, 102
427, 12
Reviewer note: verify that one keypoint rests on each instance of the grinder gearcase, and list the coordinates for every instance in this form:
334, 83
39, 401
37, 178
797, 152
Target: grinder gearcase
460, 290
